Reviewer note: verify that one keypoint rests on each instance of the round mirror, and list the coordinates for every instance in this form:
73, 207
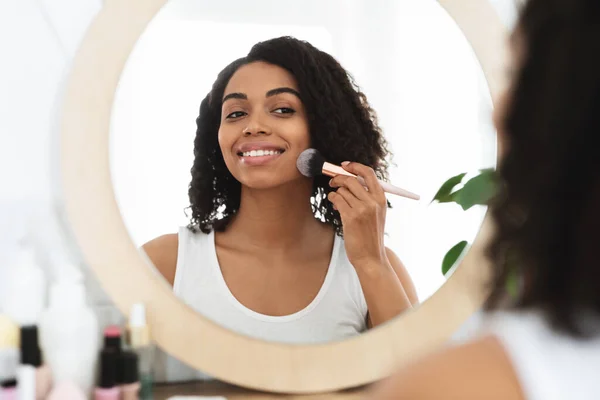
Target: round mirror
418, 72
143, 89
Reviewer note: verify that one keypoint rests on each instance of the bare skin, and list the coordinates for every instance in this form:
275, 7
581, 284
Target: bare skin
285, 251
473, 371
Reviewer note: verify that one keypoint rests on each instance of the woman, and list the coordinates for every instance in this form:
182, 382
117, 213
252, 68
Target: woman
546, 343
264, 254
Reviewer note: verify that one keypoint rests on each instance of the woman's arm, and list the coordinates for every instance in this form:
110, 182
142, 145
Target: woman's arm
162, 251
388, 289
402, 274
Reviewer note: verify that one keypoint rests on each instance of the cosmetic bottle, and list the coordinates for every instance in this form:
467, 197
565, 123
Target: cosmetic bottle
9, 358
33, 377
107, 388
129, 382
8, 389
112, 338
69, 334
25, 295
138, 338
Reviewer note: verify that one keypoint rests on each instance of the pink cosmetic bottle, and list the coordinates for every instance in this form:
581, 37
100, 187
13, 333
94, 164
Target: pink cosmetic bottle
112, 338
107, 387
9, 358
33, 376
8, 390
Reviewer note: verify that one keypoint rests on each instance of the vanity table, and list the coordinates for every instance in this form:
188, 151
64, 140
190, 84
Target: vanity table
216, 388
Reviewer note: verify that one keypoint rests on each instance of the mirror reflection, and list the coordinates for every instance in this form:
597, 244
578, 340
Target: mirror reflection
215, 107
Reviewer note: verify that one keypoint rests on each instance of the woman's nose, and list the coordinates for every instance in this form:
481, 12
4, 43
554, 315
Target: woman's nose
256, 127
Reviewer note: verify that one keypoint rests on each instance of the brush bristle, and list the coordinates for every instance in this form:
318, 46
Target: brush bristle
310, 163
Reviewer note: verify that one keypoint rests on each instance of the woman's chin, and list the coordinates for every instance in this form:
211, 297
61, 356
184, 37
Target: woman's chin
257, 184
268, 182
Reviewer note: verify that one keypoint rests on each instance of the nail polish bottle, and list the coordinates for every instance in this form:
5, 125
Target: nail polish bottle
33, 376
8, 389
9, 358
129, 382
107, 387
112, 338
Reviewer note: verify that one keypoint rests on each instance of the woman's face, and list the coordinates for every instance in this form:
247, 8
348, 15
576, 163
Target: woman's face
263, 127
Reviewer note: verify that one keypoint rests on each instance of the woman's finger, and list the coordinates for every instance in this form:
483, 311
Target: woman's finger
350, 198
368, 175
339, 203
352, 184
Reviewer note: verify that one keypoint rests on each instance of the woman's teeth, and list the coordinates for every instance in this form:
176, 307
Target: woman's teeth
260, 153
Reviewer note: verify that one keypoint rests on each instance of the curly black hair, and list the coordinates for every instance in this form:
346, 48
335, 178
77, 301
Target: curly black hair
547, 213
342, 125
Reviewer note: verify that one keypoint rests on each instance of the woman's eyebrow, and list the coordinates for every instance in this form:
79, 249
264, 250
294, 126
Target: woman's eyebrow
274, 92
270, 93
235, 95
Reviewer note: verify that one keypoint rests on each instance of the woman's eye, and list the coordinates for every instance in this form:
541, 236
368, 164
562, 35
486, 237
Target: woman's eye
235, 114
284, 110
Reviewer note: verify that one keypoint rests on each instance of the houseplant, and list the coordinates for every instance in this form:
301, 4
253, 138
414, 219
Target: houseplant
477, 190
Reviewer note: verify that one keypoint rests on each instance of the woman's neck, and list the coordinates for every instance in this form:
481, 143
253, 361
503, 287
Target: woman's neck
278, 218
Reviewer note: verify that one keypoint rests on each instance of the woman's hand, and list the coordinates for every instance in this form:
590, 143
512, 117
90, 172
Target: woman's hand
363, 215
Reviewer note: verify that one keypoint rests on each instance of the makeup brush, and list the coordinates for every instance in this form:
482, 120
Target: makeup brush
311, 163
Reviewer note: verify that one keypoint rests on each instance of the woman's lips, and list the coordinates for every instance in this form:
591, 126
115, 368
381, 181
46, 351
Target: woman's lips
259, 157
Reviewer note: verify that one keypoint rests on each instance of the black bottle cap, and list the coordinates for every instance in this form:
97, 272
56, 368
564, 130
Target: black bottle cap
8, 383
30, 348
112, 343
128, 368
108, 369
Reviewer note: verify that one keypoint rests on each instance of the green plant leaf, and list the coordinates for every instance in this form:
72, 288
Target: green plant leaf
452, 255
478, 190
444, 194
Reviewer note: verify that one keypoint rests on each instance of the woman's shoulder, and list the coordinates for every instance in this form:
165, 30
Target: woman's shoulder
162, 251
483, 361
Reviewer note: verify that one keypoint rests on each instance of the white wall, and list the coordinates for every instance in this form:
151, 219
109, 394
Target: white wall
37, 42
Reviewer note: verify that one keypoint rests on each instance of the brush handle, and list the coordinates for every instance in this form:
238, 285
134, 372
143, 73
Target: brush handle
389, 188
333, 170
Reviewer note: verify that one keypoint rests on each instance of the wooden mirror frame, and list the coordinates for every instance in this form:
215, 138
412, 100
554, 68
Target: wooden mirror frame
124, 272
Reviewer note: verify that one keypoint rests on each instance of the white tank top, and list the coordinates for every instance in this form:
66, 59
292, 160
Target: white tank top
338, 311
548, 364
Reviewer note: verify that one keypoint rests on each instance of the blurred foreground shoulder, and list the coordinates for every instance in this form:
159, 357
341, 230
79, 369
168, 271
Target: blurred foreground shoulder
472, 371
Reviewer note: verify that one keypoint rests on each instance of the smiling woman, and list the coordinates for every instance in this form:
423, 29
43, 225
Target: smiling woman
271, 253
